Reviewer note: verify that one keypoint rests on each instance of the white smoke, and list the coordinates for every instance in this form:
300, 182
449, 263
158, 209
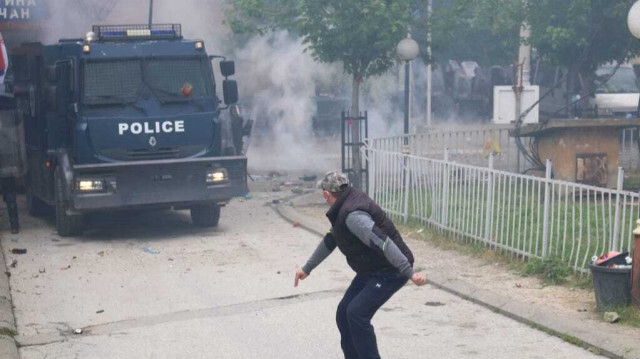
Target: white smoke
201, 19
278, 80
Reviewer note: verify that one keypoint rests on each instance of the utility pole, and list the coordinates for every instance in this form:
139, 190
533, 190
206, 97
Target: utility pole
150, 13
523, 77
428, 112
524, 53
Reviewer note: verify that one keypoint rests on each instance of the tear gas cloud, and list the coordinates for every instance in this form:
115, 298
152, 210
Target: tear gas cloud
278, 80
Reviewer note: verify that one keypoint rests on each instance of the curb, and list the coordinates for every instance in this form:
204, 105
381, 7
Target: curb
8, 346
565, 328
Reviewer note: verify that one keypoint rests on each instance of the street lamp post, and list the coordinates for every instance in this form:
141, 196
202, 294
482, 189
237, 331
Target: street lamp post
407, 51
633, 21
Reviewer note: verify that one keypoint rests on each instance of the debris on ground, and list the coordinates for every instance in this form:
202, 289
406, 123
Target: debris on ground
297, 190
308, 178
100, 311
582, 310
65, 268
14, 240
420, 230
612, 259
101, 253
14, 263
151, 250
296, 224
42, 270
248, 197
19, 251
55, 240
77, 331
276, 201
611, 317
518, 285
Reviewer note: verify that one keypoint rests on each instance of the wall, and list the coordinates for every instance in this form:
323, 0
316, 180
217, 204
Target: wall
562, 146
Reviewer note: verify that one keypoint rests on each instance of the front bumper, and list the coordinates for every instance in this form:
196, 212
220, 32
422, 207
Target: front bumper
164, 183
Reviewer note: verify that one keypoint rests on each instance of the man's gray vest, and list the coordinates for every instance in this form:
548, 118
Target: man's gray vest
361, 258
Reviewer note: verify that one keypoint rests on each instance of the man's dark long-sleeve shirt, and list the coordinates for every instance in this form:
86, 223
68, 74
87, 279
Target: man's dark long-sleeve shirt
362, 226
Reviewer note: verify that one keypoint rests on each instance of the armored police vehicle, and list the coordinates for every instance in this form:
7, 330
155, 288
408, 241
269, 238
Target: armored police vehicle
127, 118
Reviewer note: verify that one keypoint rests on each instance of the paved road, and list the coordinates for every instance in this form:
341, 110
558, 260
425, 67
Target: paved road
225, 293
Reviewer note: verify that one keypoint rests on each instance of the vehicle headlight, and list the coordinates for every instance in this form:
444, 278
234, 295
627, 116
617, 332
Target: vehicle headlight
217, 176
90, 185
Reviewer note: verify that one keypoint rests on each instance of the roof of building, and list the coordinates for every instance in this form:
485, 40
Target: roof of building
531, 130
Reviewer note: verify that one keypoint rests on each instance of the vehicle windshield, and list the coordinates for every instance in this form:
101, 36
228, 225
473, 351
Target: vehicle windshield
623, 81
170, 79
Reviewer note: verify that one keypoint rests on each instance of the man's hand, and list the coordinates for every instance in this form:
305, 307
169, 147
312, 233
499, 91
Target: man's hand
300, 274
418, 279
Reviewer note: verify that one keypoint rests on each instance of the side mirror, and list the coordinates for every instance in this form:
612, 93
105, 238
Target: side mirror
227, 68
230, 91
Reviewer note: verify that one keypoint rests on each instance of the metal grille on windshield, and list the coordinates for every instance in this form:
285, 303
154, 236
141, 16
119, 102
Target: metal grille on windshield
176, 79
110, 82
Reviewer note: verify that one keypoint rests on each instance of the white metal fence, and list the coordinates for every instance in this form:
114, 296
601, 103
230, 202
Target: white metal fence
473, 144
629, 149
524, 215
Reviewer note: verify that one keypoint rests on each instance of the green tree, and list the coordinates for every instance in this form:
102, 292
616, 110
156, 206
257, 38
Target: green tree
581, 35
362, 34
470, 30
578, 34
262, 16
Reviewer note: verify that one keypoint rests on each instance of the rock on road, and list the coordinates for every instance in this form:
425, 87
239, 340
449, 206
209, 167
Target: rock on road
149, 285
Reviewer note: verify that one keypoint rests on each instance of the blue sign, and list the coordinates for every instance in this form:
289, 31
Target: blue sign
23, 10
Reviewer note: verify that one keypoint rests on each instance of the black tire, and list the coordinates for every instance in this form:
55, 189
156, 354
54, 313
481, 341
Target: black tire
35, 206
207, 215
66, 225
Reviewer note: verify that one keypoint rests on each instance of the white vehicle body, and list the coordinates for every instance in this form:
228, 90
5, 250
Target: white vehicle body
619, 96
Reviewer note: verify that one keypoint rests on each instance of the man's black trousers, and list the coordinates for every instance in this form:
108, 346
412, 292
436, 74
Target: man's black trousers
365, 295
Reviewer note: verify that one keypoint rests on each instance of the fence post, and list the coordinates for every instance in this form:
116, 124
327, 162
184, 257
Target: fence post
372, 172
445, 189
489, 209
405, 171
545, 214
616, 224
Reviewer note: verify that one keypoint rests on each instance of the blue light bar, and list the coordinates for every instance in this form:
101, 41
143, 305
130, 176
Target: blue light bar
163, 32
136, 32
114, 34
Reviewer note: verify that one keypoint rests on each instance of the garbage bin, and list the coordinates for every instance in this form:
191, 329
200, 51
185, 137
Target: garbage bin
612, 286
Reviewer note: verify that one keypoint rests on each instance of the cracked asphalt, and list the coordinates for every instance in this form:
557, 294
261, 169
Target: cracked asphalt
149, 285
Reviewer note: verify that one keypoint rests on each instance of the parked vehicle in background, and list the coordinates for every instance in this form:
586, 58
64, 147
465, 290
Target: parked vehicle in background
328, 112
555, 98
617, 93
